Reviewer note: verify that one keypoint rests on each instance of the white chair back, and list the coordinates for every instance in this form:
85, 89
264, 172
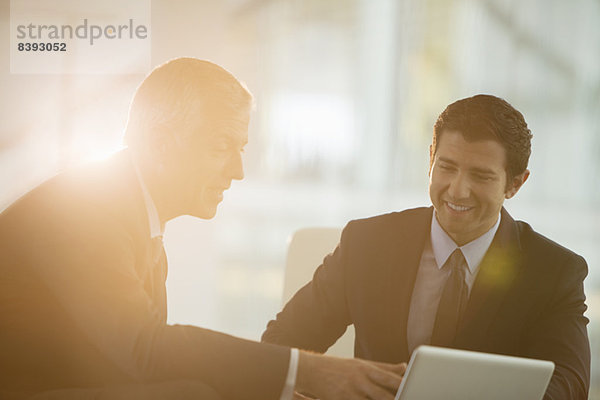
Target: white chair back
306, 250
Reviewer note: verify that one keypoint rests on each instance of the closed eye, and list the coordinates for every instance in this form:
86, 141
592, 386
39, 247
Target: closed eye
484, 178
446, 167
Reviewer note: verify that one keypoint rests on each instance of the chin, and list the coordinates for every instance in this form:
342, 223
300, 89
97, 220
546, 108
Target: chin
204, 212
207, 215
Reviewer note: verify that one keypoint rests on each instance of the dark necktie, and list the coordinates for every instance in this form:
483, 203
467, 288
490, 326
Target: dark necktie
453, 302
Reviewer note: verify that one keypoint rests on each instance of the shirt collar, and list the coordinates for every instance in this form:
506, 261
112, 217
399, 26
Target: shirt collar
474, 251
156, 230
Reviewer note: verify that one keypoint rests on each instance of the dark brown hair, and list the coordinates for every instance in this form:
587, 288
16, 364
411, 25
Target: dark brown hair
484, 117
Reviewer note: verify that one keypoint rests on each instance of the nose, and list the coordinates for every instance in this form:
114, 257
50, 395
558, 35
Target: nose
236, 167
459, 187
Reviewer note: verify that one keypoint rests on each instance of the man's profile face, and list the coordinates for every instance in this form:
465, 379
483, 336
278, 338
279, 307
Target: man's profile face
208, 158
468, 185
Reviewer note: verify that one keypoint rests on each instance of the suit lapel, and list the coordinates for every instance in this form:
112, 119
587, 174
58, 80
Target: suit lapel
496, 275
151, 261
404, 260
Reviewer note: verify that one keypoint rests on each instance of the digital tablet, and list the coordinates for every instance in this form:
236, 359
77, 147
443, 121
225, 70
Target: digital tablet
435, 373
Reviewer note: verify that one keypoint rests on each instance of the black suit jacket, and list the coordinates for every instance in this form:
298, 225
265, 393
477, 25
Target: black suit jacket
527, 299
83, 305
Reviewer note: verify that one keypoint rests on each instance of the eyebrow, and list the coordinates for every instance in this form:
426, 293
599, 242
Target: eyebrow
484, 171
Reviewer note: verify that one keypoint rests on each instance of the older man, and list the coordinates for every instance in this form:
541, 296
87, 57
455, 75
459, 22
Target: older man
83, 269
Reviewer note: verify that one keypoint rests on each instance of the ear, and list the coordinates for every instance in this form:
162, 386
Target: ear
159, 144
516, 183
430, 159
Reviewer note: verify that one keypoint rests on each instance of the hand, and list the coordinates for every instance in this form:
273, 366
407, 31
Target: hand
332, 378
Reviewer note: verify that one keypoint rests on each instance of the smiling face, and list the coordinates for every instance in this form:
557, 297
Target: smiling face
205, 162
468, 185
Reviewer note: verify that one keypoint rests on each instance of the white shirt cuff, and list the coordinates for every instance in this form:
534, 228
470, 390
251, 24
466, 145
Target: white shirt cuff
290, 380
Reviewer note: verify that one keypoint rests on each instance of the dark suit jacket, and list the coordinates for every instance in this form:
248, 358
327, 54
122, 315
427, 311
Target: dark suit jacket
527, 299
82, 305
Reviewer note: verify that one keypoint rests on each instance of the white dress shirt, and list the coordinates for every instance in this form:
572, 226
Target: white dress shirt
157, 230
431, 278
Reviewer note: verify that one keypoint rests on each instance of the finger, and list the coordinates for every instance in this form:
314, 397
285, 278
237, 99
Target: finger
388, 380
373, 391
399, 369
300, 396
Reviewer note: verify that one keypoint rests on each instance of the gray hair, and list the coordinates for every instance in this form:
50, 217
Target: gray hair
165, 100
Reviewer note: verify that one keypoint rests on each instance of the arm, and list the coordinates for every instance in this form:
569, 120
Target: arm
560, 334
90, 265
92, 272
317, 315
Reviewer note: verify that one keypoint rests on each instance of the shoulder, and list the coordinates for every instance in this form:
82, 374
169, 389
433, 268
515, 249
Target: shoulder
545, 251
533, 241
392, 220
96, 194
391, 226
